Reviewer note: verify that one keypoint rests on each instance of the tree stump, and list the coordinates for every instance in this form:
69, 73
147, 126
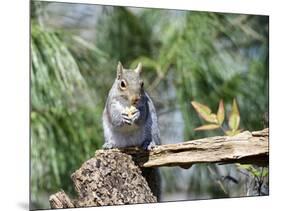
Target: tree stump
110, 178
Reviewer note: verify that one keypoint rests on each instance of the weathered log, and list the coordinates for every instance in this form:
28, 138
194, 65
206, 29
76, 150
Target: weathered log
114, 176
246, 148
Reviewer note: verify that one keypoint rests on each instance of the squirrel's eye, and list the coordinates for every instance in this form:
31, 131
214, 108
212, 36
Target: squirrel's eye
123, 84
141, 83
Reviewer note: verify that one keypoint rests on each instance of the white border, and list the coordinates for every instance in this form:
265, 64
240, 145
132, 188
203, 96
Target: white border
14, 88
256, 7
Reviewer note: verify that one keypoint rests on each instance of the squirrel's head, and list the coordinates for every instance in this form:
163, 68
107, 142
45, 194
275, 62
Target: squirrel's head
129, 83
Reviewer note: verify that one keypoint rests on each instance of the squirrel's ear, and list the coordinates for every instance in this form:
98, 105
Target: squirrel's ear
119, 70
139, 68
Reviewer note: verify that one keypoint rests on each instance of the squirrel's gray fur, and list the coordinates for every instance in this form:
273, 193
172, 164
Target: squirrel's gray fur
141, 129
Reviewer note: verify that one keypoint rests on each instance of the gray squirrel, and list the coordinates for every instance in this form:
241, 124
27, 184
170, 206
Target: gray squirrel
129, 119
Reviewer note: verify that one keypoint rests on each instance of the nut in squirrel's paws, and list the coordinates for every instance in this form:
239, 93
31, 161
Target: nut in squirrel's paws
130, 114
130, 111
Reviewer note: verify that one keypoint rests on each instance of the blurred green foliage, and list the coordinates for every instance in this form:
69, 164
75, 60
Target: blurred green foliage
204, 56
65, 121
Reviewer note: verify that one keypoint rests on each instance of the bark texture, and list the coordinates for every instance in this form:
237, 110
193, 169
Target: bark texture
110, 178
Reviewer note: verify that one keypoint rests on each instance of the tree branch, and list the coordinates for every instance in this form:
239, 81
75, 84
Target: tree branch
247, 147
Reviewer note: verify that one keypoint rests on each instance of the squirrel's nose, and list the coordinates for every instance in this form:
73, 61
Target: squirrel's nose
135, 100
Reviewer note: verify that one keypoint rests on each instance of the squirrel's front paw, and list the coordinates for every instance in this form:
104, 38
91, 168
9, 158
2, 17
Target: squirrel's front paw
130, 117
107, 146
148, 145
135, 115
126, 119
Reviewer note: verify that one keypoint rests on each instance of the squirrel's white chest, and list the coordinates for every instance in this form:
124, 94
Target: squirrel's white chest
130, 139
127, 137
